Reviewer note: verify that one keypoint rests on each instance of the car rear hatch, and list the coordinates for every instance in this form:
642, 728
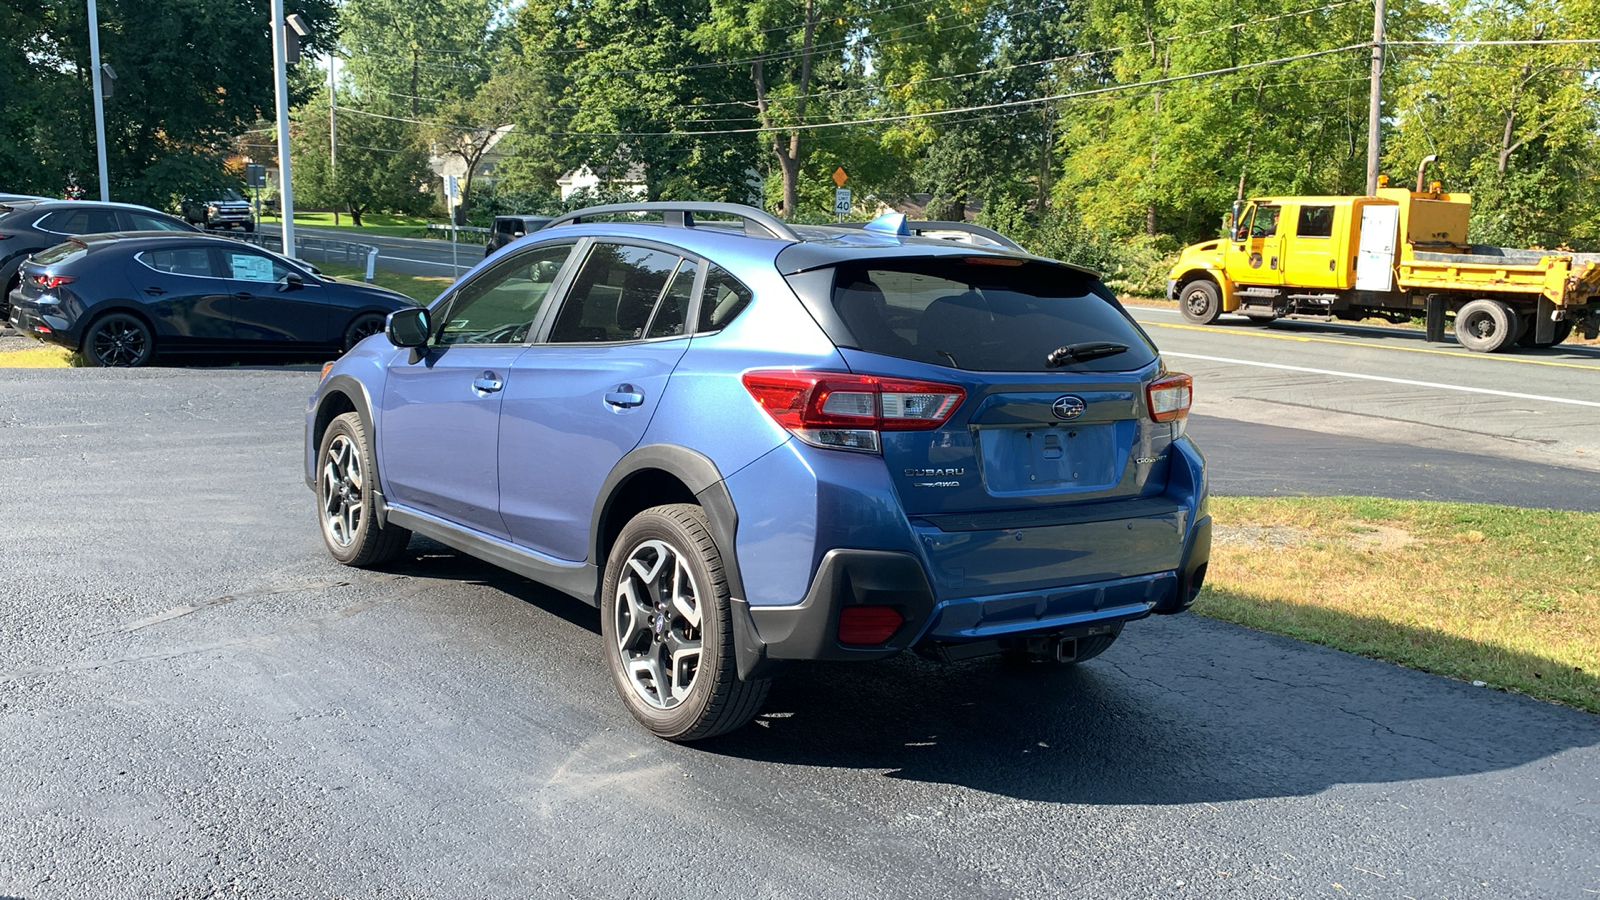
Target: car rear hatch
1050, 471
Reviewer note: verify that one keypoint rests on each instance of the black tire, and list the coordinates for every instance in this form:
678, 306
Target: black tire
362, 326
1563, 331
119, 340
1486, 326
647, 618
347, 472
1201, 301
249, 227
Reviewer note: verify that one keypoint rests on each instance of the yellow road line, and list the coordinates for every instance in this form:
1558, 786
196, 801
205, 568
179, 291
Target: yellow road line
1464, 354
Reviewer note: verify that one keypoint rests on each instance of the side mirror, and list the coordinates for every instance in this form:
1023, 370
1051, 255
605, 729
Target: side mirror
409, 327
293, 282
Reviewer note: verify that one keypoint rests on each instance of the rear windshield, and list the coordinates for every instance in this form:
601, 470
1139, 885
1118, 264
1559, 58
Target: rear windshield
60, 253
982, 316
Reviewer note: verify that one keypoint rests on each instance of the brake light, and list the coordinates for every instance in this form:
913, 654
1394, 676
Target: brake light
1170, 397
843, 411
49, 282
867, 625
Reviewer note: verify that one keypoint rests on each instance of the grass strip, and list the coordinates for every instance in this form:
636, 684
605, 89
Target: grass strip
1497, 594
421, 288
38, 356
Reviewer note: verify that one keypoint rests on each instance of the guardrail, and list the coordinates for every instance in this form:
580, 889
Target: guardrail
326, 249
476, 233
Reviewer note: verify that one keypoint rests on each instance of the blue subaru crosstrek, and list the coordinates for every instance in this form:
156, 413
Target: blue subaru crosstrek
750, 443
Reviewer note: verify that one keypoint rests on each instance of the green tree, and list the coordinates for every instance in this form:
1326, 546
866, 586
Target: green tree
380, 165
191, 75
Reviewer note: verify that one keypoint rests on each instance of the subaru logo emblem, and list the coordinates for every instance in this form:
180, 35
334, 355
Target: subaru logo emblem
1068, 407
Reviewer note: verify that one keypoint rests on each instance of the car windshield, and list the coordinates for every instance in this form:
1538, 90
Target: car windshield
230, 195
987, 314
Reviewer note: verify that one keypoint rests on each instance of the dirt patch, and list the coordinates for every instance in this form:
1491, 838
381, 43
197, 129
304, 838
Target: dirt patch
1381, 537
1275, 537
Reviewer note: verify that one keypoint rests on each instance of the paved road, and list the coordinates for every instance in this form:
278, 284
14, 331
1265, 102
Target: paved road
195, 702
411, 256
1390, 385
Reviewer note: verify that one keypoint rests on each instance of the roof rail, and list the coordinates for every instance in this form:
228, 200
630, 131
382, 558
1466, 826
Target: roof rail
918, 228
757, 223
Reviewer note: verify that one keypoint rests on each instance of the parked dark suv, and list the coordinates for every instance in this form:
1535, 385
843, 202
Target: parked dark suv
223, 209
754, 443
508, 228
28, 226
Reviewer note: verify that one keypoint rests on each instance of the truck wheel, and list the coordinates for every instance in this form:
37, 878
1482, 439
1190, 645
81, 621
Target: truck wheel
666, 628
1200, 301
1563, 331
1486, 326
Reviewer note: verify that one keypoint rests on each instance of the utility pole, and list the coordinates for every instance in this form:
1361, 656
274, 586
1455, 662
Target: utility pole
1375, 103
413, 80
333, 125
280, 73
99, 102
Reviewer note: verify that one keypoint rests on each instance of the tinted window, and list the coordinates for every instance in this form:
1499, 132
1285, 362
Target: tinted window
60, 253
80, 221
673, 310
500, 304
185, 261
722, 299
145, 222
254, 267
614, 294
987, 318
1315, 221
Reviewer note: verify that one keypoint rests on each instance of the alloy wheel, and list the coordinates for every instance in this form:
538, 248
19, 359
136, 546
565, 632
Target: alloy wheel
119, 343
658, 615
343, 499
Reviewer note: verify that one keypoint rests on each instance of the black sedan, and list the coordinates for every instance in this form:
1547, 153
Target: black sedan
122, 298
28, 225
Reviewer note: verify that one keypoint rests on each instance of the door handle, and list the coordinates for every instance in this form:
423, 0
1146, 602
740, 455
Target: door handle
487, 383
625, 397
244, 295
154, 291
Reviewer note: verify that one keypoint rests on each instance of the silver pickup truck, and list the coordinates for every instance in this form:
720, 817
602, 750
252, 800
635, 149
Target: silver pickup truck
224, 209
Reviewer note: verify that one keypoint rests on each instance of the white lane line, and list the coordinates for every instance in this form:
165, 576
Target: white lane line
1406, 381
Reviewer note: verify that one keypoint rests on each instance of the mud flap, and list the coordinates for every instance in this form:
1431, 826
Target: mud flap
1435, 318
1544, 323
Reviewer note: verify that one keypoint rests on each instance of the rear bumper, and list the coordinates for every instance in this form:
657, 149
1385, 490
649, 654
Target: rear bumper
31, 321
767, 636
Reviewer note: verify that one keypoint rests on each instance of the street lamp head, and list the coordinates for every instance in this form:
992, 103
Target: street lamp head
298, 24
105, 69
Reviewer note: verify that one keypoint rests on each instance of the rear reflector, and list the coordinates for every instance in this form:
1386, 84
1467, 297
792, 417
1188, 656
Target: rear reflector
1170, 397
868, 625
845, 411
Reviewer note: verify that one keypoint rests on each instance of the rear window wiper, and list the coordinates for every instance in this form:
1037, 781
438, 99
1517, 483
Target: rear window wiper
1081, 352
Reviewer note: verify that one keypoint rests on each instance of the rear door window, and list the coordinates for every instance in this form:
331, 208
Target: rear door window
722, 299
80, 221
614, 295
986, 315
195, 261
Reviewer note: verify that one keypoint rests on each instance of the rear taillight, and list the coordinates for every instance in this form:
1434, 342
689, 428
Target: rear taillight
842, 411
1170, 397
867, 625
49, 282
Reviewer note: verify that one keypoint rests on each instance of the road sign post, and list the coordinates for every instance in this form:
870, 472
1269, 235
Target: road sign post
841, 202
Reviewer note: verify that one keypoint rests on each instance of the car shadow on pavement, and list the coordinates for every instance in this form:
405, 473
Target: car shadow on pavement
1181, 710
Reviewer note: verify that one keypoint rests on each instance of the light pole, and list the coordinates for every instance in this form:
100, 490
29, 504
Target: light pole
280, 73
95, 76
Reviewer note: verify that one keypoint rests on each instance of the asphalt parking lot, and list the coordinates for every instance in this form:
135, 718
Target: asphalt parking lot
194, 701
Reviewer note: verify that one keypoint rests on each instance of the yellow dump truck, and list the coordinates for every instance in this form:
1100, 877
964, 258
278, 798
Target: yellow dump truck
1396, 255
